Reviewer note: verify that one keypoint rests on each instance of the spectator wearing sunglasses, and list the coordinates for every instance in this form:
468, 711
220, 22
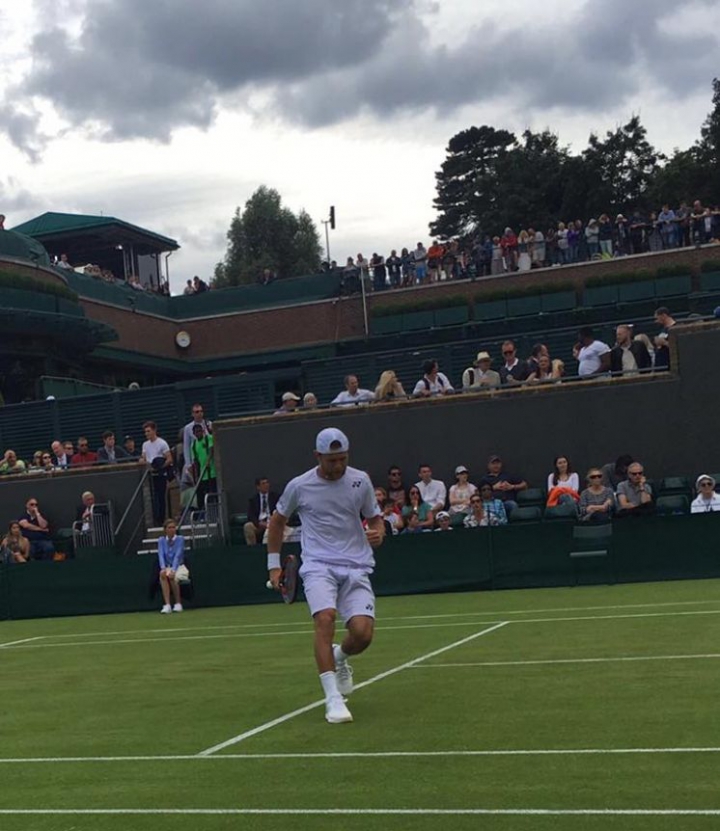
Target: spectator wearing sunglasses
513, 371
597, 501
634, 495
707, 500
36, 529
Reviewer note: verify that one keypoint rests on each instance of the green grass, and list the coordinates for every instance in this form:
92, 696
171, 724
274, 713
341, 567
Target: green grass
146, 685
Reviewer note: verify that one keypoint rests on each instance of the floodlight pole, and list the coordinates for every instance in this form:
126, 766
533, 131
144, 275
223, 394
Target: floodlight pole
326, 222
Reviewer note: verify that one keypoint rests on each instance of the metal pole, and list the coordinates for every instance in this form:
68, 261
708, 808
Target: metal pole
364, 302
326, 222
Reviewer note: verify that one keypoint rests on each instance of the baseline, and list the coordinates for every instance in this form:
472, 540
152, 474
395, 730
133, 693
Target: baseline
620, 658
24, 640
508, 812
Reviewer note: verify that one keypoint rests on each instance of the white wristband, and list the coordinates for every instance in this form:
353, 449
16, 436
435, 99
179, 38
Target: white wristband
273, 561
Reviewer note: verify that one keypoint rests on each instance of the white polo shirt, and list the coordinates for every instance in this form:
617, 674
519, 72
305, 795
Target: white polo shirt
589, 357
434, 492
347, 399
330, 511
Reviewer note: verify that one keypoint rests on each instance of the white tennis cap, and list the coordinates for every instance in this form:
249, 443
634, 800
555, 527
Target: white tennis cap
329, 436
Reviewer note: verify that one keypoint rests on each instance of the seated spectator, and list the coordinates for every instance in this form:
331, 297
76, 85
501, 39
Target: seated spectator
202, 460
634, 495
413, 526
110, 453
60, 459
597, 501
476, 517
707, 501
416, 507
480, 376
592, 355
433, 382
563, 476
83, 515
69, 449
63, 262
443, 521
513, 371
395, 487
628, 356
352, 395
11, 463
36, 529
259, 510
642, 338
289, 402
392, 516
546, 371
535, 353
662, 352
84, 456
129, 447
493, 508
615, 472
461, 492
14, 548
504, 485
309, 401
433, 491
171, 555
389, 388
37, 463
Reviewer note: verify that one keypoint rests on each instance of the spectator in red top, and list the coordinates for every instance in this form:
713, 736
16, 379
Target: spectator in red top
435, 256
84, 456
509, 243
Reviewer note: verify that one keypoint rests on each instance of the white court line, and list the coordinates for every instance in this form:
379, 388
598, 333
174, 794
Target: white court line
508, 812
24, 640
620, 658
281, 719
366, 754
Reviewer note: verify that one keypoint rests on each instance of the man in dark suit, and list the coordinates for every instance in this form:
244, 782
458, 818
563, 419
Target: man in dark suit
110, 453
260, 508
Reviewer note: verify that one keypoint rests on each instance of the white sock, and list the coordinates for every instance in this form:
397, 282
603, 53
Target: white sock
329, 684
339, 656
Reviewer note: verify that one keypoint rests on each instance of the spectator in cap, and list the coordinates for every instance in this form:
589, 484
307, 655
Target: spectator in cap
480, 376
289, 404
707, 500
443, 521
129, 447
461, 492
504, 485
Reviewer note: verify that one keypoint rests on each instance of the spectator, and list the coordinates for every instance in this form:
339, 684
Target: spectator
524, 261
394, 267
664, 319
11, 463
36, 530
535, 353
622, 236
443, 519
189, 288
389, 388
60, 459
505, 486
615, 472
266, 277
647, 343
84, 455
412, 524
497, 262
47, 461
37, 460
289, 402
668, 225
377, 263
592, 238
363, 268
634, 495
493, 508
129, 447
395, 487
597, 500
202, 458
513, 371
351, 277
110, 453
63, 262
2, 222
408, 267
707, 501
420, 259
156, 453
628, 356
83, 515
416, 512
563, 475
433, 381
509, 245
546, 371
14, 548
171, 555
593, 355
259, 510
352, 395
198, 417
461, 492
654, 237
563, 253
392, 516
434, 261
69, 449
538, 248
662, 352
480, 376
476, 517
573, 238
309, 401
605, 237
433, 491
199, 285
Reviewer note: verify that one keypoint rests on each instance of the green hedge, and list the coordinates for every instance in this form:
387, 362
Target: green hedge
623, 277
534, 290
679, 270
709, 266
426, 305
16, 280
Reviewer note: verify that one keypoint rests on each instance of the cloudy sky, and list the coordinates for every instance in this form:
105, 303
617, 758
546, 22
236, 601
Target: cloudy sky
169, 114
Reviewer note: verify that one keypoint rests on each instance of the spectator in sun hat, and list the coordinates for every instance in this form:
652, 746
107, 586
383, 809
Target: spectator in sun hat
461, 492
289, 404
480, 375
707, 500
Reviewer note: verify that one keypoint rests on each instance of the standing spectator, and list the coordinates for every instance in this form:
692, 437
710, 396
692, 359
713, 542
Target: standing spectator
453, 261
563, 245
622, 236
189, 288
524, 261
513, 371
259, 510
198, 417
498, 264
615, 472
202, 458
60, 459
417, 510
352, 395
461, 492
156, 453
707, 501
654, 233
593, 355
551, 255
509, 244
638, 228
433, 491
505, 486
36, 530
351, 277
433, 381
537, 239
110, 453
573, 240
605, 237
389, 388
377, 263
664, 319
11, 463
363, 268
493, 508
484, 257
420, 259
199, 285
408, 267
394, 267
84, 456
171, 555
395, 486
628, 356
563, 476
476, 516
592, 239
14, 548
634, 495
597, 501
434, 261
480, 376
582, 246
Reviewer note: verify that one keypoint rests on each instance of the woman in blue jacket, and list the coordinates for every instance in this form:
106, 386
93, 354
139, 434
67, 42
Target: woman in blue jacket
171, 550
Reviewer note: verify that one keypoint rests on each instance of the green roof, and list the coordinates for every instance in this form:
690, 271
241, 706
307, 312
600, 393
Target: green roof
23, 247
51, 225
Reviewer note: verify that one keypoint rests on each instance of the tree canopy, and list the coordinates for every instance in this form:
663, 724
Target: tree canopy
267, 235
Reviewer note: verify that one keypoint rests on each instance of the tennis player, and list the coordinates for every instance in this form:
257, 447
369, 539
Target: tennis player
337, 559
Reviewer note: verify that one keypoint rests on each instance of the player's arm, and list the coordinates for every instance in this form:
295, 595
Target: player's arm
276, 534
375, 531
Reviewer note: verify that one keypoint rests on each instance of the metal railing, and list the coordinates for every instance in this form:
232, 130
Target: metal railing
97, 530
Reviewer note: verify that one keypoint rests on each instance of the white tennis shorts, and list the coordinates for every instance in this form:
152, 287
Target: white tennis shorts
348, 590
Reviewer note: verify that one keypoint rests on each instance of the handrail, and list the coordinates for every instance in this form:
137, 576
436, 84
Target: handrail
187, 509
132, 500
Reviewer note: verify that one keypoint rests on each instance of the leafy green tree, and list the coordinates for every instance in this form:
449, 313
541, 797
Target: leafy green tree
267, 235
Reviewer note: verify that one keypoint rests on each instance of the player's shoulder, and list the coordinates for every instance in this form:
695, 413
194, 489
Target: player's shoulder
355, 475
302, 479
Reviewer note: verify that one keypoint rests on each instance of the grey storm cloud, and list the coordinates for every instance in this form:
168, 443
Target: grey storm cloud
143, 69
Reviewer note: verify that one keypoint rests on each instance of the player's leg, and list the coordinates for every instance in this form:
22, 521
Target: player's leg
359, 635
356, 603
324, 621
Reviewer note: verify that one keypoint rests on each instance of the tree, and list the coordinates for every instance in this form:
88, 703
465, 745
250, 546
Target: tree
267, 235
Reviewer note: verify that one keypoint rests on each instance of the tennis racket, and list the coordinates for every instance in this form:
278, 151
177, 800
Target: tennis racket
288, 582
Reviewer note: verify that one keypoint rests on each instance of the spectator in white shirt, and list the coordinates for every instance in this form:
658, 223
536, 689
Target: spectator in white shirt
352, 395
707, 500
156, 453
461, 492
433, 382
433, 491
563, 475
593, 355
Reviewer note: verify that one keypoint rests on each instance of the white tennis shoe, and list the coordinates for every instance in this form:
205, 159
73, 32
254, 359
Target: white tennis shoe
344, 677
177, 607
336, 712
166, 609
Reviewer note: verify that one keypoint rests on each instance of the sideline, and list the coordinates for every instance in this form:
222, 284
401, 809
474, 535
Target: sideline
508, 812
621, 658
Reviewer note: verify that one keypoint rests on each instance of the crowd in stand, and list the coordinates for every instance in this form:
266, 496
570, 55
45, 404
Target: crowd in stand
566, 244
107, 275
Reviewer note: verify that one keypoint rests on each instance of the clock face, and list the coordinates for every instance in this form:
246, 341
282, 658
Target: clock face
182, 339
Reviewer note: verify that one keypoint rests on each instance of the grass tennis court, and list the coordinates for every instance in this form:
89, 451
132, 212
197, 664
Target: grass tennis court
548, 702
